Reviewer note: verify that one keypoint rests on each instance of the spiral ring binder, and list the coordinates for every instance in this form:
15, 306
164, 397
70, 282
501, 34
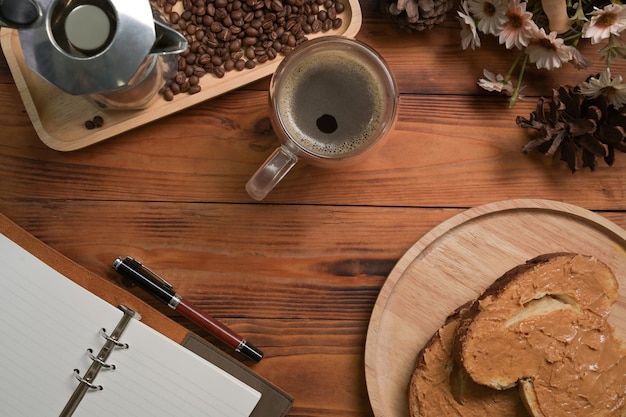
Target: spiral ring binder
102, 363
86, 382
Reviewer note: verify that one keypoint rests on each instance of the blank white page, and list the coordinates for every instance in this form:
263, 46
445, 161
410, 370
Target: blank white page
47, 323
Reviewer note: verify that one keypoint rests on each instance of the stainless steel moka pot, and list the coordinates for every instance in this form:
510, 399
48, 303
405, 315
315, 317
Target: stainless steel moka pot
116, 53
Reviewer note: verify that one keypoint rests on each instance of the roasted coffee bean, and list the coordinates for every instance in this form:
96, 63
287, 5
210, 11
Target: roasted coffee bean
198, 71
200, 33
168, 95
249, 40
204, 59
277, 5
252, 32
190, 59
220, 13
225, 35
180, 77
216, 27
235, 44
229, 65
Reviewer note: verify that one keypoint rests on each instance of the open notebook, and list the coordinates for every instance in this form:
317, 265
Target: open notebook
47, 324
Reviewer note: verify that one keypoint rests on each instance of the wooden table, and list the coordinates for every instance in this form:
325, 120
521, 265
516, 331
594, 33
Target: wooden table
298, 273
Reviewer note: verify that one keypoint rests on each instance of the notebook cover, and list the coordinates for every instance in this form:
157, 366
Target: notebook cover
273, 403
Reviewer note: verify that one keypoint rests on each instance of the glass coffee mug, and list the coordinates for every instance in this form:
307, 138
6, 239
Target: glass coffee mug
333, 100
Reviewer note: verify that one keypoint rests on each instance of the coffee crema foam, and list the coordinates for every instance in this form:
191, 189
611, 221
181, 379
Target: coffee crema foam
331, 83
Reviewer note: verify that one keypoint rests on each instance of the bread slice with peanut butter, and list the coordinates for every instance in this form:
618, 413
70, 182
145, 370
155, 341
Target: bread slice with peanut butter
439, 388
543, 325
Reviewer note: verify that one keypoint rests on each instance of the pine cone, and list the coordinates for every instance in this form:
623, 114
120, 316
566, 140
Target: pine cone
582, 128
415, 15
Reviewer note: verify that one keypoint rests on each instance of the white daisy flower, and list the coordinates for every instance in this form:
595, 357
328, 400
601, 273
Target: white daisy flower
612, 88
519, 26
548, 51
496, 83
604, 22
469, 35
489, 13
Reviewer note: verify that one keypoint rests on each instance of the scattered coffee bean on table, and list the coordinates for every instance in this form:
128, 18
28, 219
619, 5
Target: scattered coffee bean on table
236, 35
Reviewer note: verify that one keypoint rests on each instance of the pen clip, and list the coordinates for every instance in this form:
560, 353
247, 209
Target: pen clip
152, 274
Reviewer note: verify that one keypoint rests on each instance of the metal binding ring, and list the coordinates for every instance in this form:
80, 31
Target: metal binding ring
84, 381
102, 363
117, 343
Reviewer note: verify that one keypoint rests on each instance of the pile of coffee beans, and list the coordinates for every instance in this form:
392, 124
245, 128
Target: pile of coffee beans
227, 35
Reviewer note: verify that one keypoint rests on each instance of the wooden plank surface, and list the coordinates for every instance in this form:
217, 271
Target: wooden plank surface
300, 272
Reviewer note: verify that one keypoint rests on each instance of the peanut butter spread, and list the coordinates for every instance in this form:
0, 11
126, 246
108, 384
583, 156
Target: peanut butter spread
438, 388
545, 323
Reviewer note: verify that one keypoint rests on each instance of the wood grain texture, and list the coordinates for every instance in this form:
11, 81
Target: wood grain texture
300, 272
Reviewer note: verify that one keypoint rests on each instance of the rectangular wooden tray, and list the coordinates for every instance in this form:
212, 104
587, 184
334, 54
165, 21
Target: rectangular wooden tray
58, 117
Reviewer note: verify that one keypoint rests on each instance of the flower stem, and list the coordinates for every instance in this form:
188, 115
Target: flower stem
518, 87
507, 77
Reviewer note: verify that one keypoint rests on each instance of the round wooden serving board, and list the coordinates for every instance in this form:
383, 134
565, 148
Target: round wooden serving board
455, 262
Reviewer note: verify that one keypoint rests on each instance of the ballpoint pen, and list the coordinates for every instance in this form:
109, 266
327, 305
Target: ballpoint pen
164, 291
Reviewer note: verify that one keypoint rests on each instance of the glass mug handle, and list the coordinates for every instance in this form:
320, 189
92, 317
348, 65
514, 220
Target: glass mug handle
276, 166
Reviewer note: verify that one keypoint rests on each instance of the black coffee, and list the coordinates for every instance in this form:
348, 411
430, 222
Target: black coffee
332, 104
